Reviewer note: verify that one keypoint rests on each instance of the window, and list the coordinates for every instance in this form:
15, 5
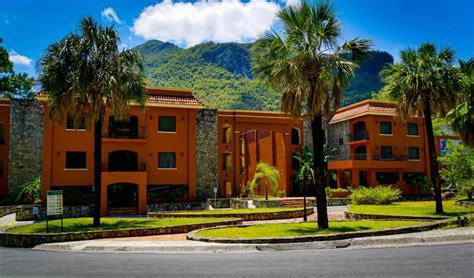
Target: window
227, 162
226, 135
413, 177
70, 123
387, 177
386, 152
2, 134
75, 160
295, 136
412, 129
167, 160
295, 163
386, 128
1, 168
167, 123
341, 141
413, 153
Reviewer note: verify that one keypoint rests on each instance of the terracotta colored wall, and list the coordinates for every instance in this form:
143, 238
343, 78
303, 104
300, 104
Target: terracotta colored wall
58, 140
268, 139
5, 122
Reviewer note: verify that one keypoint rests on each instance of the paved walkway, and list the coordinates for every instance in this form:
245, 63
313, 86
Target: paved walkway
145, 245
8, 221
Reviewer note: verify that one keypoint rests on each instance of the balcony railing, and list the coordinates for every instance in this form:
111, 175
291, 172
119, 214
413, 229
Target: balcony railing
359, 135
132, 132
123, 167
368, 157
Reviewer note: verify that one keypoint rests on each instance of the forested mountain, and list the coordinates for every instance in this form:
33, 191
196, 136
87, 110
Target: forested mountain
221, 75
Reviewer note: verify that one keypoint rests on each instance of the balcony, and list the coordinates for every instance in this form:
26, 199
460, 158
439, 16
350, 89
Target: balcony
368, 157
123, 167
359, 136
125, 133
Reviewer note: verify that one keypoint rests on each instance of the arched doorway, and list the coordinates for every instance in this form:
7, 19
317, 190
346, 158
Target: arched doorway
122, 195
360, 153
123, 161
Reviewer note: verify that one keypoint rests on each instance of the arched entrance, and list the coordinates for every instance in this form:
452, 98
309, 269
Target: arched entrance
123, 161
122, 195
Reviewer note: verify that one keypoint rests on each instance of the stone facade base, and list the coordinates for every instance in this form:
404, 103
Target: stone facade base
176, 206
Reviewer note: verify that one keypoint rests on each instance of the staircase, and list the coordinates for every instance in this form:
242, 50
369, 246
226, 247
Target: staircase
293, 203
122, 211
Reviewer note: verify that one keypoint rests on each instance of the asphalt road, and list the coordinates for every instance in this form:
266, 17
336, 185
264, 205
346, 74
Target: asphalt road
426, 261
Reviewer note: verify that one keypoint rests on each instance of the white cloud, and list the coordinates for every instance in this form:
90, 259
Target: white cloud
111, 15
208, 20
19, 59
292, 2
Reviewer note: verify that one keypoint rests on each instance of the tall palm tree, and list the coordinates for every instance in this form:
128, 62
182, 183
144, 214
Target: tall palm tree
461, 118
85, 75
306, 63
425, 83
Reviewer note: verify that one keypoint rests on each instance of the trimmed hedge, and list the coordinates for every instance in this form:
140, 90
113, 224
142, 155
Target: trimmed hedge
379, 195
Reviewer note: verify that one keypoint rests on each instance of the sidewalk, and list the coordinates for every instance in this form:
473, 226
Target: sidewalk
175, 245
8, 221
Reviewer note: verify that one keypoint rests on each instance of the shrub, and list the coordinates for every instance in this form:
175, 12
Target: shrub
29, 193
379, 195
466, 187
281, 193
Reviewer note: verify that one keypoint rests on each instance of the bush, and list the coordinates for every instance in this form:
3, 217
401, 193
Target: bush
29, 193
281, 193
379, 195
466, 187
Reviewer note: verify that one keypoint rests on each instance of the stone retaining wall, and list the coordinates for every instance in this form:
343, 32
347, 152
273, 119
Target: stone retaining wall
239, 204
219, 203
327, 237
176, 206
465, 203
244, 216
361, 216
30, 240
267, 203
339, 201
25, 212
6, 210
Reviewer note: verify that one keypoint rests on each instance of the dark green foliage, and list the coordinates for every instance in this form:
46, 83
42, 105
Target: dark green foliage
379, 195
220, 74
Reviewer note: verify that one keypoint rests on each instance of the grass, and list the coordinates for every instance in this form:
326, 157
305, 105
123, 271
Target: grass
85, 224
425, 208
236, 211
302, 229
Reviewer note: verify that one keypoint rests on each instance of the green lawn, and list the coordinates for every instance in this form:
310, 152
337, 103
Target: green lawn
302, 229
235, 211
85, 224
412, 209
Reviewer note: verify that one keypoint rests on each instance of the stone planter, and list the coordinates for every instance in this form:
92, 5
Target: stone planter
340, 194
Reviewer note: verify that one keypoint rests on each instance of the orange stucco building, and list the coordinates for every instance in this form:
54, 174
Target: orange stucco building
175, 150
371, 145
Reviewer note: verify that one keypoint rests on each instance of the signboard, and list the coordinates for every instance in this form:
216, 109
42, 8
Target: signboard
54, 202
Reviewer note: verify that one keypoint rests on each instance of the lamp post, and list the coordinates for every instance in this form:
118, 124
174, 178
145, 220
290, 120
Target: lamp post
303, 188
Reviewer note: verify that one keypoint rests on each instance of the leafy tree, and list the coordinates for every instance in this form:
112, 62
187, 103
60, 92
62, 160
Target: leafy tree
462, 117
459, 167
16, 85
265, 174
425, 83
306, 162
308, 66
85, 75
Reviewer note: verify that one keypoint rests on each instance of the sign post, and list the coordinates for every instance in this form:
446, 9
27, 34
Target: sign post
215, 197
54, 206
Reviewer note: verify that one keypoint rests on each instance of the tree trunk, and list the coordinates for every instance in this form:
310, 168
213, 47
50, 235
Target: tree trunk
319, 170
433, 157
97, 170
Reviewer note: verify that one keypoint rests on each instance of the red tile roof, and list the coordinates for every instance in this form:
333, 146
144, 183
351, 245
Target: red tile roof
174, 100
364, 108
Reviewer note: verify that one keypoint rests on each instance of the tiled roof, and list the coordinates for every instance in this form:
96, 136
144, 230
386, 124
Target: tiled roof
364, 108
174, 100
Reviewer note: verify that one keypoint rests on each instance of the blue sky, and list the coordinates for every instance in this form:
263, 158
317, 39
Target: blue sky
29, 26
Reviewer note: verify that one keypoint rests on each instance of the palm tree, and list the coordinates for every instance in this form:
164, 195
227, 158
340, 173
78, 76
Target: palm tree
306, 163
265, 174
461, 118
425, 83
311, 69
85, 75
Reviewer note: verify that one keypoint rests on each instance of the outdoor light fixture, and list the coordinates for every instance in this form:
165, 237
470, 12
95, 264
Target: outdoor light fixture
303, 188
